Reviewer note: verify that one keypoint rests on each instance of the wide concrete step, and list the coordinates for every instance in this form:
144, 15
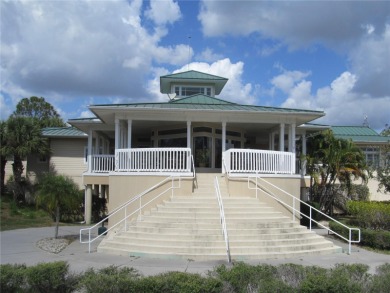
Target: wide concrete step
172, 249
189, 227
285, 254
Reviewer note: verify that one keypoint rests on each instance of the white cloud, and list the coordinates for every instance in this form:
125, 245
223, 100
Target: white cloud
288, 79
163, 12
370, 61
177, 55
5, 109
297, 23
340, 102
73, 49
235, 90
208, 55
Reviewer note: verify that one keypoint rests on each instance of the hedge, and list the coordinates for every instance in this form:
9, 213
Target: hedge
368, 237
372, 215
241, 277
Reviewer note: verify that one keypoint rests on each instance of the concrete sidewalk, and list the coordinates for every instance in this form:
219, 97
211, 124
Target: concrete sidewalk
19, 246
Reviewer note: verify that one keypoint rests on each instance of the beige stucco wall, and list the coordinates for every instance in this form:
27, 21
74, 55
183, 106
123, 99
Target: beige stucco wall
125, 187
292, 185
68, 158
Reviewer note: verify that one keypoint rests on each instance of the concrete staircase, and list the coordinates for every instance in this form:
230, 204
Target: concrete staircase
189, 227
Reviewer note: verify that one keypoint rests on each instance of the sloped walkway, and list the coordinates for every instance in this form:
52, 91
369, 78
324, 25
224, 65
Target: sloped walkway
19, 246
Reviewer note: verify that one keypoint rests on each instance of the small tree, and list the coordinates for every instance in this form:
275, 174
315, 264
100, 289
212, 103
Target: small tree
21, 138
383, 177
57, 192
42, 112
330, 160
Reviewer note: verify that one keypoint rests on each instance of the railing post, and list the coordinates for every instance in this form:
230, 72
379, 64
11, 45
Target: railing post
310, 218
125, 218
349, 242
256, 187
89, 241
293, 209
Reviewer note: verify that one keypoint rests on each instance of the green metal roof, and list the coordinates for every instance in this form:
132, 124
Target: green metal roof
62, 132
201, 99
202, 102
192, 74
191, 77
359, 134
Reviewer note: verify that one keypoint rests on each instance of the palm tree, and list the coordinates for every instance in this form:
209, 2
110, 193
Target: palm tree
22, 137
55, 193
333, 160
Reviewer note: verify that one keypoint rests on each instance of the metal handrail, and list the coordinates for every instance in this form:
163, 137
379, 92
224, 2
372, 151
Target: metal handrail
124, 206
269, 193
222, 218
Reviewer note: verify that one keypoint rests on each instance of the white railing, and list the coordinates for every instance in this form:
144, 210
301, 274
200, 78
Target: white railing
153, 160
259, 161
294, 210
122, 209
103, 163
222, 218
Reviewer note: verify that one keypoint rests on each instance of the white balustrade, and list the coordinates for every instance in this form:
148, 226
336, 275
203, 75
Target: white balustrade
153, 160
103, 163
259, 161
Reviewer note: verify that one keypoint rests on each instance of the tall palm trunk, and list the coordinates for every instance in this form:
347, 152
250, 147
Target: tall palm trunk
17, 168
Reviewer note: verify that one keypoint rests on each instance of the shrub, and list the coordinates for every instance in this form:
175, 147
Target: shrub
12, 277
381, 281
292, 274
179, 282
51, 277
341, 279
110, 279
372, 215
370, 238
245, 278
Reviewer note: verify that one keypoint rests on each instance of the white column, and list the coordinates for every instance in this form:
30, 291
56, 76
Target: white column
117, 130
189, 134
189, 143
281, 137
88, 204
272, 147
304, 152
129, 132
223, 137
293, 134
90, 150
97, 144
223, 145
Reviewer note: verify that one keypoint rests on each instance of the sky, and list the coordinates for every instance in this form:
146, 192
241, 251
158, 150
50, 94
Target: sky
332, 56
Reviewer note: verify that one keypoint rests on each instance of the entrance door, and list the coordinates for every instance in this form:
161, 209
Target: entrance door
202, 150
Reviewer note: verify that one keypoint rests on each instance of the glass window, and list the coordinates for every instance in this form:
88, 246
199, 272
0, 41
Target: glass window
202, 129
185, 91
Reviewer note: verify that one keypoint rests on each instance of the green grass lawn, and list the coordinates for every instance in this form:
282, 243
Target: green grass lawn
14, 217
